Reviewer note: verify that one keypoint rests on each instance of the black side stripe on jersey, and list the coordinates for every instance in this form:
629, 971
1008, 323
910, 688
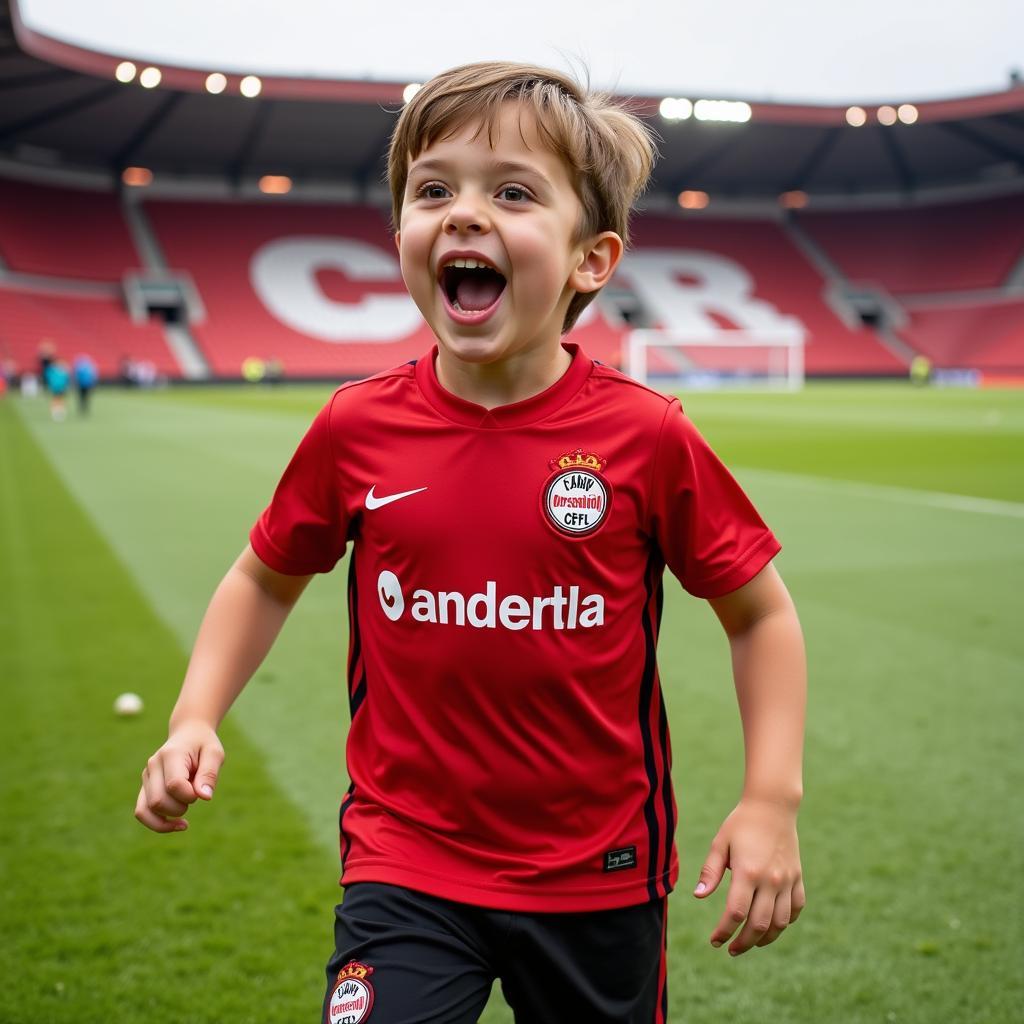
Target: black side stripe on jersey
357, 693
666, 777
666, 789
356, 667
357, 698
646, 692
345, 840
356, 645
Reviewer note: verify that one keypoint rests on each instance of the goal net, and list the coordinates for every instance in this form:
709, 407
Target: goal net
670, 359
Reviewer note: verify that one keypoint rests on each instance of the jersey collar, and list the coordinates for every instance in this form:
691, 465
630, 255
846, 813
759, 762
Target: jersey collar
518, 414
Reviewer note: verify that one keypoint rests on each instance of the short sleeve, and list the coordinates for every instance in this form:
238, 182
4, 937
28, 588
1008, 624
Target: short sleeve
304, 529
709, 532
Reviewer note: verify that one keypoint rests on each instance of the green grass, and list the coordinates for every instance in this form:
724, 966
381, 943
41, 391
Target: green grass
101, 921
970, 442
113, 533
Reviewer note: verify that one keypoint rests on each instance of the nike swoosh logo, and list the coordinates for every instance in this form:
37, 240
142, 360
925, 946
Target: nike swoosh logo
372, 501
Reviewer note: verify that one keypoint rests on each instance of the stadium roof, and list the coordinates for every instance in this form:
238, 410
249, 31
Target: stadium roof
66, 117
802, 51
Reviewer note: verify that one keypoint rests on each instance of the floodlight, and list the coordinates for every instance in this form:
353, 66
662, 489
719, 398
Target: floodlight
675, 108
722, 110
137, 177
856, 116
216, 83
150, 78
275, 184
250, 86
125, 71
692, 200
907, 113
886, 115
410, 90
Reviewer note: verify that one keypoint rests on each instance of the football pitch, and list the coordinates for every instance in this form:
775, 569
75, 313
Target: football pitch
901, 514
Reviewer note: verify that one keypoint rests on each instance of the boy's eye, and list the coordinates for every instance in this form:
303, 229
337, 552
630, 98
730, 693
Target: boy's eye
430, 186
429, 190
516, 188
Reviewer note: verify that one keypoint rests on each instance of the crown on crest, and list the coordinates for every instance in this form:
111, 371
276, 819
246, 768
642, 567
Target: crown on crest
578, 459
354, 969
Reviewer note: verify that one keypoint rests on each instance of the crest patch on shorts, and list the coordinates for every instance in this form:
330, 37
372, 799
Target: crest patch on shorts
352, 997
576, 497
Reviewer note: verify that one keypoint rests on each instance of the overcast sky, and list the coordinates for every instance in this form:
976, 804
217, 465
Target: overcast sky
822, 50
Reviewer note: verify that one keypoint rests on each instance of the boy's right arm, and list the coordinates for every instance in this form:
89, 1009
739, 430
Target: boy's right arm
245, 615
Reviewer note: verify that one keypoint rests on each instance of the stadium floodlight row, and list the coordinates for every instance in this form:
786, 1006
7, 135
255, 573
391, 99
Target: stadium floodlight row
83, 117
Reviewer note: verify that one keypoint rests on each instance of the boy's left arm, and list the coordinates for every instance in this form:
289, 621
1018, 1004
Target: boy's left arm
758, 840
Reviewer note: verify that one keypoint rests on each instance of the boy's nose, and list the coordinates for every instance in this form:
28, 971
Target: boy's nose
466, 214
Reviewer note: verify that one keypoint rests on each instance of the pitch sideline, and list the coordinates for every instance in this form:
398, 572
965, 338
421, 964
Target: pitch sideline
886, 492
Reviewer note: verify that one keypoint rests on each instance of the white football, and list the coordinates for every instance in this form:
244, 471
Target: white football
128, 704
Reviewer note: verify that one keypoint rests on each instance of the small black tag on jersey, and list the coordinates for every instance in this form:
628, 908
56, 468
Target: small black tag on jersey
618, 860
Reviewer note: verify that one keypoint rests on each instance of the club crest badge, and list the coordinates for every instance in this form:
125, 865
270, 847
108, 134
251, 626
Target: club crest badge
352, 998
576, 497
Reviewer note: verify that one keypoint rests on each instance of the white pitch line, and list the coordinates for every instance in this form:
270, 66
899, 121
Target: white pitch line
884, 492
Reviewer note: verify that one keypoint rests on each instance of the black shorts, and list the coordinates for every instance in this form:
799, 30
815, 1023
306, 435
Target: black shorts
403, 957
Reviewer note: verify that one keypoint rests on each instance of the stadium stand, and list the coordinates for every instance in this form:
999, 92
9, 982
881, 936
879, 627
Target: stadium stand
63, 232
785, 279
947, 248
218, 242
932, 261
806, 219
97, 326
983, 336
947, 267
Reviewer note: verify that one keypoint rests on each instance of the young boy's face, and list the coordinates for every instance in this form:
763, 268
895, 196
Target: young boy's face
520, 220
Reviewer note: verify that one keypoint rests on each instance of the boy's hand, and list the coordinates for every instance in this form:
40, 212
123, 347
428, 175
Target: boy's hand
183, 770
758, 842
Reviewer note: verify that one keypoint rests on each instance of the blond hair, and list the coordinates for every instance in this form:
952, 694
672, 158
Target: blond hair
608, 150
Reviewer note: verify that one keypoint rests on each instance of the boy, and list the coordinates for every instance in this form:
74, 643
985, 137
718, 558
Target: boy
512, 506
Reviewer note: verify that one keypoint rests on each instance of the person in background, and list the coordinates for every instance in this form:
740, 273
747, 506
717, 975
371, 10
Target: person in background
86, 376
47, 353
920, 371
57, 380
9, 374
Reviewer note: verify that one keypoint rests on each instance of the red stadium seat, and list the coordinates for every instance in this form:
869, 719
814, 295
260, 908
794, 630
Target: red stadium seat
931, 249
986, 336
98, 327
62, 232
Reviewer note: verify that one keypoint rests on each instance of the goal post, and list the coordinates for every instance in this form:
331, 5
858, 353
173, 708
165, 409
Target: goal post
670, 359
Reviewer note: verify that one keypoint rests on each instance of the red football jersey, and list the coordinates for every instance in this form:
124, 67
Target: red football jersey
509, 745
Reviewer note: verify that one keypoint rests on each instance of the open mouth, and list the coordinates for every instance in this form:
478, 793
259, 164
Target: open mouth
472, 293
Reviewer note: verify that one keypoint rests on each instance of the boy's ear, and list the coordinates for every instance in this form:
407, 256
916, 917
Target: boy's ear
398, 240
598, 263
